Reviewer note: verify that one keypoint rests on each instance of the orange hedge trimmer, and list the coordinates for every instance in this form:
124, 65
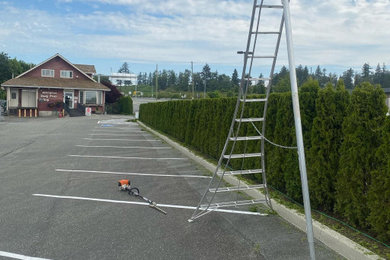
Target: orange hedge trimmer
124, 185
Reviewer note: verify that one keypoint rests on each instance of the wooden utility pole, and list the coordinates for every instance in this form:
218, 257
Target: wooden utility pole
156, 81
192, 77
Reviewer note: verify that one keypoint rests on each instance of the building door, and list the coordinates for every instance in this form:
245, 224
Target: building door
14, 98
29, 98
68, 99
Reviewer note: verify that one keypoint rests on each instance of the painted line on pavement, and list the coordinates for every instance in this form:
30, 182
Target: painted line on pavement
119, 132
123, 147
129, 140
115, 134
18, 256
147, 204
124, 157
138, 174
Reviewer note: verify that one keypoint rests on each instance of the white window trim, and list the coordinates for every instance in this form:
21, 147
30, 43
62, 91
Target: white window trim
47, 76
71, 71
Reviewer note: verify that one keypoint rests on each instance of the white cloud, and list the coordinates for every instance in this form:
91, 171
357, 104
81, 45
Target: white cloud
338, 32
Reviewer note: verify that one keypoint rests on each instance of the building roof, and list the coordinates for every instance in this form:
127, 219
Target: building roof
89, 69
30, 82
39, 82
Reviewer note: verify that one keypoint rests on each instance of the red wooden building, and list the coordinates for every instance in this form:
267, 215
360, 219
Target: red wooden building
53, 86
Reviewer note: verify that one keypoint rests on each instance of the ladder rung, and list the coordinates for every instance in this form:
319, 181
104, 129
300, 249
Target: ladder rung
253, 171
254, 79
274, 32
254, 100
242, 155
262, 57
271, 6
246, 138
238, 188
231, 204
248, 120
243, 52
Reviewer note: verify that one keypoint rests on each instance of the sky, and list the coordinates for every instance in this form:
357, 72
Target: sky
335, 34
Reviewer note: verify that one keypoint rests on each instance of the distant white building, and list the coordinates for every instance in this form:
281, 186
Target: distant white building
123, 79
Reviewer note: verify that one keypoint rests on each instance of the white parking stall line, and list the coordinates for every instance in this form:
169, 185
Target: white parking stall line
115, 128
137, 174
124, 157
128, 140
115, 134
18, 256
147, 204
124, 147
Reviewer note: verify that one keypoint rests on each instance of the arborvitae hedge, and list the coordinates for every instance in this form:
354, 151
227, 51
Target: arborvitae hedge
379, 192
125, 105
346, 143
362, 129
326, 137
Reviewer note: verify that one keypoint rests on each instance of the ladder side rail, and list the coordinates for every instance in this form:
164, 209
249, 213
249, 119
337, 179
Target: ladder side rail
298, 129
244, 86
242, 82
263, 165
244, 90
253, 50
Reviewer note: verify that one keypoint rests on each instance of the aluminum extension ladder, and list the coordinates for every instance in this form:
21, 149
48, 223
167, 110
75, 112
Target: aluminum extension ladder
256, 30
207, 203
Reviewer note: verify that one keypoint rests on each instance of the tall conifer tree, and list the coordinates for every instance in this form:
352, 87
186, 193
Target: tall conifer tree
361, 129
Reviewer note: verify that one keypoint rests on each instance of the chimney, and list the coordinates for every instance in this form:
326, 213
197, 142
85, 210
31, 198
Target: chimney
98, 78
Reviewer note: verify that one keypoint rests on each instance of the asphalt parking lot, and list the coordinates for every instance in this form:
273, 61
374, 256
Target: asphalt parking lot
59, 199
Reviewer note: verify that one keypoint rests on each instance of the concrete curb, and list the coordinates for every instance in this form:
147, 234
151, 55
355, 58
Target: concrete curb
334, 240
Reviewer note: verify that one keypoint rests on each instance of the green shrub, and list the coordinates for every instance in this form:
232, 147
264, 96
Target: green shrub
326, 137
125, 105
347, 148
362, 137
379, 192
3, 94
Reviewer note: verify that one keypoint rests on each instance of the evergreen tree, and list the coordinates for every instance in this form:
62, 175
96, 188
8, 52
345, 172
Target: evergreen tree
318, 73
235, 79
378, 75
361, 130
124, 68
379, 192
308, 94
206, 72
366, 72
5, 71
326, 137
172, 78
348, 78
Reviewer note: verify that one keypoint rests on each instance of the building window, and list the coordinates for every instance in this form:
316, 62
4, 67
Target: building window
66, 74
90, 97
47, 73
13, 95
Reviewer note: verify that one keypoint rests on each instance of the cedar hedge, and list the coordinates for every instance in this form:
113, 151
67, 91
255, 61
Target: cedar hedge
347, 145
